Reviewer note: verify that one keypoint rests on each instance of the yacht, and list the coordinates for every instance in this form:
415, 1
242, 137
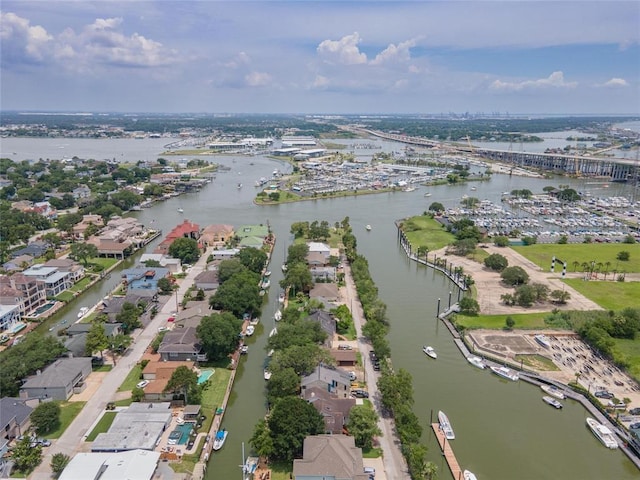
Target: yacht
368, 228
180, 210
445, 426
250, 330
505, 372
281, 297
277, 316
267, 374
476, 361
428, 194
542, 340
221, 437
430, 351
83, 311
552, 401
553, 391
467, 475
602, 433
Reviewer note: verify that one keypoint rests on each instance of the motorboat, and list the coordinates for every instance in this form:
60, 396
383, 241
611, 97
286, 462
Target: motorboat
284, 267
239, 185
180, 210
267, 273
267, 374
274, 331
552, 401
368, 228
428, 194
83, 311
553, 391
281, 296
505, 372
271, 352
430, 351
409, 189
278, 315
266, 283
467, 475
602, 433
445, 426
221, 437
244, 349
249, 331
476, 361
542, 340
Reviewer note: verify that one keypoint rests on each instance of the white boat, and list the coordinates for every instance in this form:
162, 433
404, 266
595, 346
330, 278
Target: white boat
368, 227
271, 352
553, 391
267, 374
552, 401
239, 185
602, 433
473, 188
266, 283
250, 467
180, 210
428, 194
221, 437
250, 330
409, 189
277, 316
267, 273
505, 372
430, 351
284, 267
469, 475
542, 340
273, 332
445, 426
476, 361
244, 349
83, 311
281, 297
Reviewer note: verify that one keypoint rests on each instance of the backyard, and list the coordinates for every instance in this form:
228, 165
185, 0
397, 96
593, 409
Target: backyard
422, 230
68, 411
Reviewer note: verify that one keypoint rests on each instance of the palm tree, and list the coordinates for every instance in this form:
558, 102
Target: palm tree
576, 264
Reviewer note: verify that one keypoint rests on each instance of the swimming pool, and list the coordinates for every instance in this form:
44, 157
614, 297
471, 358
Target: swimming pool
184, 430
17, 327
43, 308
204, 376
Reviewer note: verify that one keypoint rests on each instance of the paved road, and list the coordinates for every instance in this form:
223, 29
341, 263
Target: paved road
394, 465
72, 440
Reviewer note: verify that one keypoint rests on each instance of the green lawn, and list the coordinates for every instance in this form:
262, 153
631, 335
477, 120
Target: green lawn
537, 362
81, 285
68, 411
102, 426
423, 230
629, 352
583, 252
609, 295
132, 379
65, 296
214, 391
104, 262
496, 322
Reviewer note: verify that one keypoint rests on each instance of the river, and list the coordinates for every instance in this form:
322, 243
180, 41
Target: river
503, 430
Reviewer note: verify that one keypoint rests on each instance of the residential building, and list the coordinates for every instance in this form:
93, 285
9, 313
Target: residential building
31, 290
59, 380
334, 411
217, 235
186, 229
334, 381
132, 464
174, 265
34, 249
9, 316
14, 420
207, 280
144, 278
252, 235
326, 320
18, 264
181, 344
329, 457
76, 270
158, 373
55, 281
225, 254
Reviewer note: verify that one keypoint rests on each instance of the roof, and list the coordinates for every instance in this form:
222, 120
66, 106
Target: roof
13, 408
131, 465
333, 456
207, 276
327, 375
252, 231
183, 341
319, 247
326, 320
60, 373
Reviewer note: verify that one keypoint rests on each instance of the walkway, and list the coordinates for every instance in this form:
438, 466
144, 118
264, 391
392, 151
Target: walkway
447, 451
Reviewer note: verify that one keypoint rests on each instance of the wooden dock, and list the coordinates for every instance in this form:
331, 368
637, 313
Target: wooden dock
447, 451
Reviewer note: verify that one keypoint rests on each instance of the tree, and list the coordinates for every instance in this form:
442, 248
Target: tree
469, 306
186, 249
436, 207
297, 253
184, 380
219, 335
464, 246
228, 268
59, 461
97, 340
396, 389
514, 276
292, 419
82, 252
46, 417
623, 256
253, 258
530, 240
509, 322
165, 286
363, 426
560, 296
26, 457
137, 394
501, 241
303, 359
298, 277
496, 262
129, 317
284, 382
238, 294
261, 440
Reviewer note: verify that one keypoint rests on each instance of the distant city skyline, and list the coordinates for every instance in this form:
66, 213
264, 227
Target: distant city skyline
538, 57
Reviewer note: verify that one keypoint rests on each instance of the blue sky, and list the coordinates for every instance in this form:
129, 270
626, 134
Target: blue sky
321, 57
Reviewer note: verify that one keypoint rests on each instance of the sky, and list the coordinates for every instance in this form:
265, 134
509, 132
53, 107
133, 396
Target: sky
327, 57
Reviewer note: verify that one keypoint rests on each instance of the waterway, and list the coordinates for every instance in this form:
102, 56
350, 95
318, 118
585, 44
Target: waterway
503, 429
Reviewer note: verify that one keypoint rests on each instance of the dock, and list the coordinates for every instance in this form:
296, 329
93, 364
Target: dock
447, 451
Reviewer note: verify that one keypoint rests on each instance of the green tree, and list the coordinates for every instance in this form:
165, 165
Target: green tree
284, 382
97, 340
298, 277
297, 253
219, 334
129, 317
165, 286
186, 249
238, 294
623, 256
496, 262
363, 426
436, 207
396, 389
300, 229
501, 241
46, 417
261, 440
137, 394
253, 258
464, 246
509, 322
26, 457
303, 359
514, 276
228, 268
82, 252
59, 462
185, 381
469, 306
292, 419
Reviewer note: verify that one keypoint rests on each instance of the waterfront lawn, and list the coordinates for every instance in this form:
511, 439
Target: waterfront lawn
132, 379
81, 285
105, 263
65, 296
628, 352
497, 322
583, 252
280, 470
213, 394
102, 426
68, 412
609, 295
422, 230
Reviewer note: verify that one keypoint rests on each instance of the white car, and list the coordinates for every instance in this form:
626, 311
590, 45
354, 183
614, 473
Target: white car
142, 384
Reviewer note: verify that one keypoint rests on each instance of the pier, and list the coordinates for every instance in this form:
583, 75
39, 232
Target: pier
447, 451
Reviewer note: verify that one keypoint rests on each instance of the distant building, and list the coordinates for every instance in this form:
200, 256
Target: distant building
133, 464
217, 235
31, 291
329, 457
14, 420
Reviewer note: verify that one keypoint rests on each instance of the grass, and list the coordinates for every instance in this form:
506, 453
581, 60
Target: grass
280, 470
609, 295
102, 426
104, 262
537, 362
213, 393
373, 453
65, 296
583, 252
68, 411
132, 379
103, 368
123, 403
628, 351
423, 230
81, 285
497, 322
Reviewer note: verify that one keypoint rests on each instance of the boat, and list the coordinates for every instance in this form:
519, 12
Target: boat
180, 210
467, 475
239, 185
221, 437
273, 332
284, 267
250, 330
271, 352
430, 351
473, 188
445, 426
553, 391
428, 194
505, 372
476, 361
542, 340
266, 283
552, 401
602, 433
368, 228
244, 349
277, 316
409, 189
267, 273
281, 297
83, 311
267, 374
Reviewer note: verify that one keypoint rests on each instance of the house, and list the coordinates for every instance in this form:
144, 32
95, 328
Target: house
18, 264
217, 235
55, 281
174, 265
145, 278
139, 297
31, 291
326, 320
158, 373
207, 280
9, 316
344, 358
184, 230
225, 254
334, 411
81, 192
76, 342
14, 420
252, 235
33, 249
327, 293
75, 270
329, 457
321, 249
59, 380
192, 316
182, 344
334, 381
81, 227
138, 464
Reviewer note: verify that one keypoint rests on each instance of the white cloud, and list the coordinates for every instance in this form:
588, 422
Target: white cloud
344, 51
239, 60
320, 82
21, 39
257, 79
394, 53
615, 82
555, 80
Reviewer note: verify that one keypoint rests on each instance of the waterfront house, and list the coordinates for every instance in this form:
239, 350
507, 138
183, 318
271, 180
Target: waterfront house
9, 314
334, 411
334, 457
217, 235
34, 249
319, 254
174, 265
225, 254
207, 280
75, 270
181, 344
81, 227
158, 373
31, 290
55, 281
145, 278
138, 464
327, 293
58, 381
186, 229
18, 264
334, 381
14, 420
326, 320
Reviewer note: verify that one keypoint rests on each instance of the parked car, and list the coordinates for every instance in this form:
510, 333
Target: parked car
344, 346
352, 376
142, 384
358, 393
635, 411
603, 394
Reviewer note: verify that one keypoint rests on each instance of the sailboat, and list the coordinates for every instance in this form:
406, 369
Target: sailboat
249, 465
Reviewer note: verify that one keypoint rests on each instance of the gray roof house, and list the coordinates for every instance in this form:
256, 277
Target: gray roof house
334, 411
330, 457
14, 420
207, 280
59, 380
182, 344
326, 321
336, 382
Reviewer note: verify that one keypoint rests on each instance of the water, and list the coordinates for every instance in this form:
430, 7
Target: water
503, 429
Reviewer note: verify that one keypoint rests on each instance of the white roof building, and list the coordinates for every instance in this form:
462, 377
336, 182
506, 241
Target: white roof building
131, 465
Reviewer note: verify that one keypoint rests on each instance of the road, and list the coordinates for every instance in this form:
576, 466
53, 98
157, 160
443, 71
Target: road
72, 440
394, 465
